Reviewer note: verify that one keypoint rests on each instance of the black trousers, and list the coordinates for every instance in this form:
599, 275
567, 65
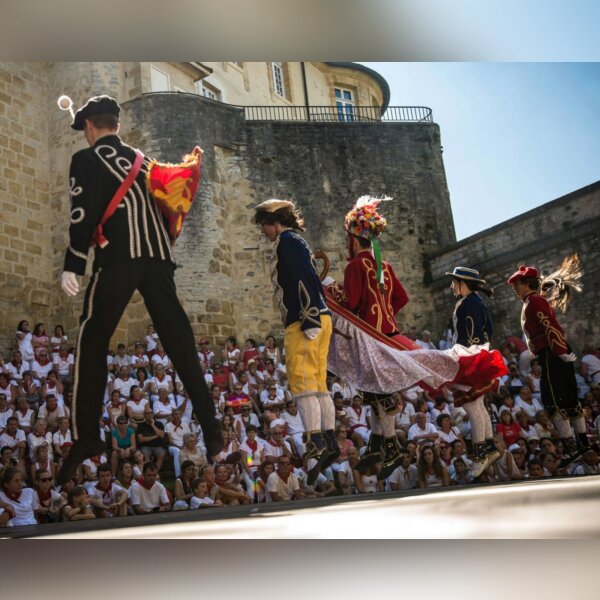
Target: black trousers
558, 386
109, 291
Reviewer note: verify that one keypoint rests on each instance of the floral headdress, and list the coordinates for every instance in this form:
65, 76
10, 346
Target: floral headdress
364, 221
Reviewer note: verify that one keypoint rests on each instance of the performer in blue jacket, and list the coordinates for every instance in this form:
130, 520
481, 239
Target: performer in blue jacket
307, 322
473, 327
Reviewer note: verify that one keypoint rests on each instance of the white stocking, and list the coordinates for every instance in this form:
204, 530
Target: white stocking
310, 412
327, 411
375, 422
578, 424
481, 425
388, 424
562, 425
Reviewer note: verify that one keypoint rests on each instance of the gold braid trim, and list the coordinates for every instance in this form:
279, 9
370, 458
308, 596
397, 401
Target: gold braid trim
471, 339
554, 336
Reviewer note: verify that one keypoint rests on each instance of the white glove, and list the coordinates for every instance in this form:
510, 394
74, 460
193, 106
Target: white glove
568, 357
69, 283
328, 281
312, 333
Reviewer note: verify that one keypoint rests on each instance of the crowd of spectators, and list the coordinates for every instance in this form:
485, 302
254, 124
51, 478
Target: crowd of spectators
155, 458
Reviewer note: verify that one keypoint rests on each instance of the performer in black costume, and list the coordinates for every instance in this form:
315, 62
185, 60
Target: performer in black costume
473, 327
134, 254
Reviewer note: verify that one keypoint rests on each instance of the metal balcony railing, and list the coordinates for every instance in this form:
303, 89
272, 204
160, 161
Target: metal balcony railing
341, 114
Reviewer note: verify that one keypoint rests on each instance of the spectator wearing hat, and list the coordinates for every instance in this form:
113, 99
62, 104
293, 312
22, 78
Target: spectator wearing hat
546, 339
133, 251
473, 327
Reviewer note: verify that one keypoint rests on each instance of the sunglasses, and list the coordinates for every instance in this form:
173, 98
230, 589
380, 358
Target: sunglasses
44, 479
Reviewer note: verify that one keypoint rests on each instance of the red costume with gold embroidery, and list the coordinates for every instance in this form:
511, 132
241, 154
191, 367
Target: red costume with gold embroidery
540, 326
363, 295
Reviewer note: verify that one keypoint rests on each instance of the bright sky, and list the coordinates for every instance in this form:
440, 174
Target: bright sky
515, 135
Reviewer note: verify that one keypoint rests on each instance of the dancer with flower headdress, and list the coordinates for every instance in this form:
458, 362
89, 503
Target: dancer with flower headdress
373, 292
363, 310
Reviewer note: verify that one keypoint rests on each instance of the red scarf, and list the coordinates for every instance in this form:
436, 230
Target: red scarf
45, 497
272, 442
13, 497
143, 483
252, 445
284, 478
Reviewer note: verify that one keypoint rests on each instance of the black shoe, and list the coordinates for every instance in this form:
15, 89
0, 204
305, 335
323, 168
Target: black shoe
568, 459
333, 449
392, 457
316, 448
79, 452
368, 460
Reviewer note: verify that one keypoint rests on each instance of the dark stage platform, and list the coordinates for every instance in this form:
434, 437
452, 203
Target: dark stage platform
558, 508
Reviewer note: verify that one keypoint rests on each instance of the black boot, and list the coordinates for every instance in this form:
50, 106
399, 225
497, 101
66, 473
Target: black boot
575, 451
486, 454
317, 449
333, 449
80, 450
392, 457
372, 453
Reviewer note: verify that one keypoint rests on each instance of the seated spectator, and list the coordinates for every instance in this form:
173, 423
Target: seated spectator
14, 438
220, 377
51, 412
404, 418
518, 454
143, 380
124, 382
42, 461
191, 452
346, 473
430, 471
108, 498
445, 430
41, 366
526, 423
149, 495
508, 428
160, 360
230, 493
136, 407
588, 464
183, 491
272, 396
39, 436
122, 359
365, 479
5, 412
89, 468
175, 431
238, 399
49, 501
17, 499
321, 488
276, 446
440, 407
508, 403
533, 447
293, 426
253, 454
341, 435
250, 352
163, 407
25, 415
125, 476
123, 443
544, 426
535, 469
515, 380
425, 341
161, 381
61, 437
78, 507
461, 473
208, 474
527, 403
200, 497
423, 432
115, 409
358, 415
505, 468
53, 385
260, 490
16, 367
205, 355
152, 439
459, 451
151, 340
64, 363
8, 388
282, 484
230, 446
245, 419
403, 477
139, 360
446, 456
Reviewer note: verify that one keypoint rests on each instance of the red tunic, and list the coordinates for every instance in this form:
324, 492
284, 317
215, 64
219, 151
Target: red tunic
541, 327
364, 297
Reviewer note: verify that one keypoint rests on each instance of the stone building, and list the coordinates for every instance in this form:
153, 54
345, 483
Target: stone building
318, 135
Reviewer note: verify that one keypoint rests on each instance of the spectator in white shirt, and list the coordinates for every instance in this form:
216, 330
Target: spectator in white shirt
175, 431
425, 341
149, 495
423, 432
14, 438
282, 484
405, 476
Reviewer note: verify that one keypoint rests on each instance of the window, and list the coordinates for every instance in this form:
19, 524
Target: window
278, 85
208, 91
159, 80
344, 101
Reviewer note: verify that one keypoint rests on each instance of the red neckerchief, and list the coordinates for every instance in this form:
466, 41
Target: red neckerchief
45, 497
359, 411
43, 364
163, 378
95, 459
143, 483
13, 497
17, 366
180, 426
272, 442
253, 445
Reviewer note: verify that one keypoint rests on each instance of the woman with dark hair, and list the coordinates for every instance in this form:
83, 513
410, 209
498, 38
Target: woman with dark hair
8, 388
125, 477
24, 340
21, 499
509, 429
473, 327
264, 470
430, 471
250, 352
271, 351
58, 339
231, 353
183, 486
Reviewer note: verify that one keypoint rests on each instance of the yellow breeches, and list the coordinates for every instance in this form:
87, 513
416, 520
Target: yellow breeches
306, 360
